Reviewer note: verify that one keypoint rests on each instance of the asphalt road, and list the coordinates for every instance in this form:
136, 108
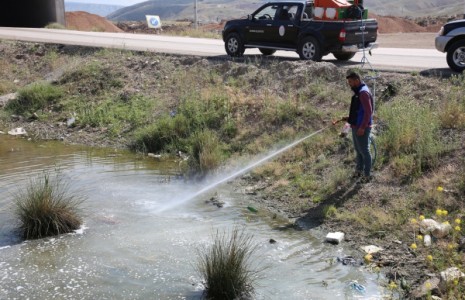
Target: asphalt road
391, 59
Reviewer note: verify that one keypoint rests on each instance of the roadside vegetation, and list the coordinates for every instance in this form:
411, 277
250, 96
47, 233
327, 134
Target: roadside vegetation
46, 207
216, 111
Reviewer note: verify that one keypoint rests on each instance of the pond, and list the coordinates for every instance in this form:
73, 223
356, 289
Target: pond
135, 244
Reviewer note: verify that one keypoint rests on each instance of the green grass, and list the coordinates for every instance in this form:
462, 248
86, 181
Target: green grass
412, 130
35, 97
227, 266
45, 207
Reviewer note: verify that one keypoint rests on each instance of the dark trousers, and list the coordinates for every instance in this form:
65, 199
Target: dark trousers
362, 151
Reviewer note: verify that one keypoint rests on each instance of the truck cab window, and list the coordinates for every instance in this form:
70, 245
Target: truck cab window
267, 13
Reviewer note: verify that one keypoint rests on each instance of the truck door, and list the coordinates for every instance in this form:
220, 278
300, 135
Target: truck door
261, 26
287, 25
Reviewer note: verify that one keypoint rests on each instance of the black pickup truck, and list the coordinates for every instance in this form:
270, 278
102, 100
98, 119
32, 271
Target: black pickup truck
291, 26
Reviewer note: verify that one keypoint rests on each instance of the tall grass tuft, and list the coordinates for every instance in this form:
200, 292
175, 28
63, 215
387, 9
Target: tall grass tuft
34, 97
206, 151
46, 208
226, 267
413, 130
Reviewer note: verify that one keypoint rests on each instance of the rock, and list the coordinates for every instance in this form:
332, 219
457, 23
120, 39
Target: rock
6, 98
428, 225
157, 156
442, 230
17, 131
451, 274
371, 249
334, 237
426, 288
438, 230
272, 241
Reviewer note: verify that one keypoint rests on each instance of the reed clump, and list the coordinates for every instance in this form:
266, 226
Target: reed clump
45, 207
226, 266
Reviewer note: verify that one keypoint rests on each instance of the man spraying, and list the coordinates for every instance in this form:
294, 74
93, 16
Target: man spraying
360, 119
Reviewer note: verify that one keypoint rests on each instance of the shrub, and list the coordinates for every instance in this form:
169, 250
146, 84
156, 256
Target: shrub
226, 266
34, 97
46, 208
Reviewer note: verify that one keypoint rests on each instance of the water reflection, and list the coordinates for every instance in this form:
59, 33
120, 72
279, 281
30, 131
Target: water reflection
129, 250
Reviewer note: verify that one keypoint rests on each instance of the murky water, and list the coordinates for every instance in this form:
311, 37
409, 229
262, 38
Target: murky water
131, 247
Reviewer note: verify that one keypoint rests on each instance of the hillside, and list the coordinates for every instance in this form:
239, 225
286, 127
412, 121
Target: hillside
211, 10
98, 9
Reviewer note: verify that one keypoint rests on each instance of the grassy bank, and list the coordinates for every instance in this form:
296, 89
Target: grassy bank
215, 111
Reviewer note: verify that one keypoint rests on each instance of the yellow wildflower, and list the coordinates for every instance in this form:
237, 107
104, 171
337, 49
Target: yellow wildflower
429, 258
413, 246
457, 228
445, 222
439, 212
450, 246
392, 285
445, 212
440, 189
428, 285
422, 217
368, 257
420, 237
456, 282
413, 221
458, 221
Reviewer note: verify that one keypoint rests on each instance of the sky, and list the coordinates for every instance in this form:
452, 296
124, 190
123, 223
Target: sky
110, 2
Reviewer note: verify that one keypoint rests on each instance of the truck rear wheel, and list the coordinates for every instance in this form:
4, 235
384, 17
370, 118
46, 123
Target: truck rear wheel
344, 56
233, 45
309, 49
456, 56
266, 51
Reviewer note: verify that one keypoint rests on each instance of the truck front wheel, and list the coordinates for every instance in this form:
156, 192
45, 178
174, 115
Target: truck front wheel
233, 45
309, 49
344, 56
456, 56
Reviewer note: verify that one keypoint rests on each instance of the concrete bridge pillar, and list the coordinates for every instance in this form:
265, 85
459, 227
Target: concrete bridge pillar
32, 13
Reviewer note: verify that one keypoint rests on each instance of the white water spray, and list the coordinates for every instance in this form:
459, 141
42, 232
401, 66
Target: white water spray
240, 172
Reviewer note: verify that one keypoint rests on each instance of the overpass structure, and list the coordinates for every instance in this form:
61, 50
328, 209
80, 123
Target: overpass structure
32, 13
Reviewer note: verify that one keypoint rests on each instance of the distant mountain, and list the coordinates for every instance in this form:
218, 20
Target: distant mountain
97, 9
214, 10
208, 10
409, 8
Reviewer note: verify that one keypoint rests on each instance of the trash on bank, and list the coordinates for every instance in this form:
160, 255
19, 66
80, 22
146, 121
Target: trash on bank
252, 209
355, 286
17, 131
334, 237
371, 249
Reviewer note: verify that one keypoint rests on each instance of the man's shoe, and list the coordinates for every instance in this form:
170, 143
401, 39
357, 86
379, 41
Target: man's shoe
357, 174
366, 179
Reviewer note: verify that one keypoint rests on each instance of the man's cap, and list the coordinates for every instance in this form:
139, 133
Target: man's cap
353, 75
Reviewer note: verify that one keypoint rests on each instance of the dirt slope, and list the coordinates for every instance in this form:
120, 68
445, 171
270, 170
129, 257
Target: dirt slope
84, 21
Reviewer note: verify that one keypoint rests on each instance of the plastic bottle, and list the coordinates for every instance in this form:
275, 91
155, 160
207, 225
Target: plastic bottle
345, 130
427, 240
